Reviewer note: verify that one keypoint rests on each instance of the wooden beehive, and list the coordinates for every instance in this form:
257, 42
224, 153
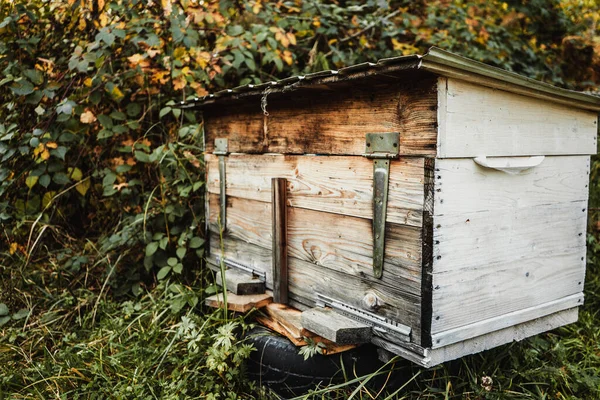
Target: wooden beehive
484, 174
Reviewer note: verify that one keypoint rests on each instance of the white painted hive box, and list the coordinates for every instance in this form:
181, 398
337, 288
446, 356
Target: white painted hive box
484, 234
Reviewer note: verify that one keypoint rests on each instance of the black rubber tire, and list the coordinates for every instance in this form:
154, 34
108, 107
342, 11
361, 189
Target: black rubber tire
277, 364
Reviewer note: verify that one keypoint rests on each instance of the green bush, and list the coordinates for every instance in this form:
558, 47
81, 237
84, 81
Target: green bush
101, 175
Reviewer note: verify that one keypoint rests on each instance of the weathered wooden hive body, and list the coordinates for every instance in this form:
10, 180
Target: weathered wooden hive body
484, 239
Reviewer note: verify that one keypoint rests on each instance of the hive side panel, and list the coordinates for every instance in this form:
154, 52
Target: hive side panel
330, 241
505, 243
335, 184
307, 278
327, 121
481, 121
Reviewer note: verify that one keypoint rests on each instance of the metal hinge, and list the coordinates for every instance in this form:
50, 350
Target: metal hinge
222, 150
381, 147
383, 327
234, 264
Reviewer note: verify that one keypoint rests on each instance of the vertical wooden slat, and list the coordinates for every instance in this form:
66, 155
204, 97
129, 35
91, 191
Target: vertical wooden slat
280, 267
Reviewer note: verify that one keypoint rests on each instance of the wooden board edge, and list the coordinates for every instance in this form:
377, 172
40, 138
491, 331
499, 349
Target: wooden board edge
431, 357
500, 322
510, 334
442, 102
427, 253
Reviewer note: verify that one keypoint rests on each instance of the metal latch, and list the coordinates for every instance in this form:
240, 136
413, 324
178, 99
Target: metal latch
234, 264
383, 327
221, 150
381, 147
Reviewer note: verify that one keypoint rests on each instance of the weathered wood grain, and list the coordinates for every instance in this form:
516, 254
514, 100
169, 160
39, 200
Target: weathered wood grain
335, 327
333, 122
479, 240
336, 242
241, 283
239, 303
481, 121
335, 184
505, 320
491, 263
306, 279
464, 186
467, 296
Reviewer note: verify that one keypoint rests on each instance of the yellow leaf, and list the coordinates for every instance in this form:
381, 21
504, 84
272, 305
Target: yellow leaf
199, 89
256, 7
13, 248
83, 187
51, 145
38, 150
87, 117
167, 7
45, 155
287, 57
88, 82
31, 181
135, 59
152, 52
103, 20
47, 199
116, 93
75, 174
179, 83
291, 37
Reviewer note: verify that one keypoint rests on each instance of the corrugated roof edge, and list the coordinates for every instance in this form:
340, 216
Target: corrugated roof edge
436, 61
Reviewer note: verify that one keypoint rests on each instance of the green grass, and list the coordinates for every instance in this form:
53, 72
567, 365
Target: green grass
80, 342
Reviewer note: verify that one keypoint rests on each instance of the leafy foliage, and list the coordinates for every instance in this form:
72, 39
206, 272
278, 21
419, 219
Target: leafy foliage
102, 182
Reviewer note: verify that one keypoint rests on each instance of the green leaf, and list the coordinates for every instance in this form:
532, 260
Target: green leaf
45, 180
61, 178
22, 313
105, 36
178, 268
34, 76
164, 271
59, 152
164, 112
196, 242
181, 252
151, 248
4, 320
141, 156
105, 120
22, 87
235, 30
172, 261
3, 309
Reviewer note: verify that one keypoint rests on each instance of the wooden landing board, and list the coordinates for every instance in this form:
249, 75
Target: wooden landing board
306, 279
334, 184
478, 121
241, 283
334, 242
240, 303
334, 122
464, 186
285, 320
335, 327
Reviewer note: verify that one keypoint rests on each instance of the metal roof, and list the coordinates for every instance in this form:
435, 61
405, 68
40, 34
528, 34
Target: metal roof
436, 61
